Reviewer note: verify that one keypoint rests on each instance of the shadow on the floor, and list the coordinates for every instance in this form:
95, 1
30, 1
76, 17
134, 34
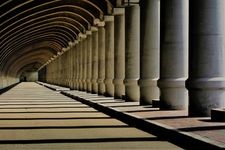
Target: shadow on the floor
209, 120
125, 106
203, 128
58, 118
44, 107
66, 127
96, 140
167, 117
106, 100
134, 111
49, 112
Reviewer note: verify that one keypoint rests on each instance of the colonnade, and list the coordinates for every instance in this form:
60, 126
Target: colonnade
151, 56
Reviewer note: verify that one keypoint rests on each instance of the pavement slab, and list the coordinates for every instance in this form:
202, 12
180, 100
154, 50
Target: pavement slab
33, 117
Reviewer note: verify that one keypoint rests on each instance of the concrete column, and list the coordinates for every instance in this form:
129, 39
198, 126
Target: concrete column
132, 53
74, 65
77, 65
68, 67
67, 59
206, 81
61, 70
89, 61
84, 74
71, 65
119, 54
101, 59
58, 71
81, 64
173, 54
94, 60
109, 55
149, 51
64, 77
1, 81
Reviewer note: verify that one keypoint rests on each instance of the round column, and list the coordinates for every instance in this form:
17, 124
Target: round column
119, 54
206, 81
81, 63
66, 58
84, 75
89, 60
1, 82
109, 55
60, 71
71, 66
63, 74
173, 54
149, 51
132, 53
101, 59
76, 65
94, 60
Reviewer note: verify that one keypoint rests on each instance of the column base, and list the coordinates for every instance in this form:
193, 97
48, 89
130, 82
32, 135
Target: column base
132, 92
89, 86
148, 91
173, 94
75, 85
109, 87
80, 83
84, 83
205, 94
101, 87
94, 86
119, 88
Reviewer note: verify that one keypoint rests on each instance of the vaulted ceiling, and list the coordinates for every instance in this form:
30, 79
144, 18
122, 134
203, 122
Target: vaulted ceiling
33, 31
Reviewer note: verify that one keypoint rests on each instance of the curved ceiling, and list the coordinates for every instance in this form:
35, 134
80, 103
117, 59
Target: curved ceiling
33, 31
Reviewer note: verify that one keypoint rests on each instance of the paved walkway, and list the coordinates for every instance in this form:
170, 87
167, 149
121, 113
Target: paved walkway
33, 117
175, 126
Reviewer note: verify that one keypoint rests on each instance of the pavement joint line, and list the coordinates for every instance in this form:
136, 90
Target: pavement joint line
173, 134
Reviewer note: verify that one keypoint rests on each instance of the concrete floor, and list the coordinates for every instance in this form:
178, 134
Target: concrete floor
33, 117
170, 124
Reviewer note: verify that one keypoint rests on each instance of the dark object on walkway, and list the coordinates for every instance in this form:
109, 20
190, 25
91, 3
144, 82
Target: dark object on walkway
155, 103
218, 114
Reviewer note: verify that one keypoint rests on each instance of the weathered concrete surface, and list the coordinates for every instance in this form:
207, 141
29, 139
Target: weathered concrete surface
28, 120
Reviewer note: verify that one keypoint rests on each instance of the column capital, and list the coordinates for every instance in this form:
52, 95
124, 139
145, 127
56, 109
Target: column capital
119, 11
99, 23
94, 29
64, 49
108, 18
71, 44
76, 41
82, 36
59, 53
88, 32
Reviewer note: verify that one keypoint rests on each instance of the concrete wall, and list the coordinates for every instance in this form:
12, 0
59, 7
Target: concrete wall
31, 76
